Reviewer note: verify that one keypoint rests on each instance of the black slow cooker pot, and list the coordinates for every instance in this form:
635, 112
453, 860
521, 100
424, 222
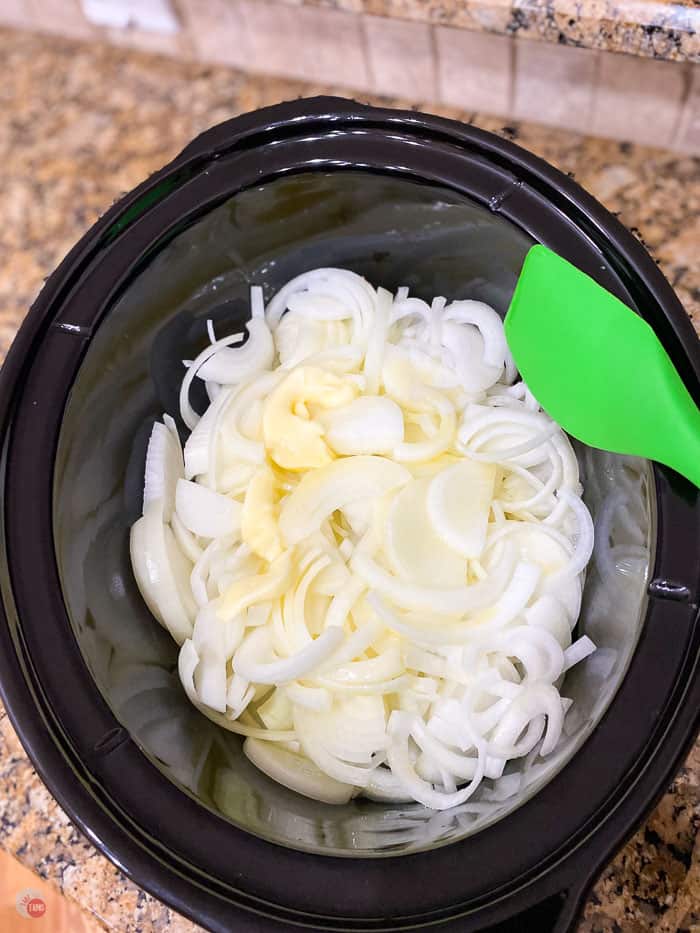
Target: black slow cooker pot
89, 678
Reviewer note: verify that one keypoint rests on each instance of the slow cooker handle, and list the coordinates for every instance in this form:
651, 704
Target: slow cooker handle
558, 913
572, 903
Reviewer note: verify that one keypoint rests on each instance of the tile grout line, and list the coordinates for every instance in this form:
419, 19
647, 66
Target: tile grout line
597, 71
513, 65
439, 89
369, 67
684, 104
435, 71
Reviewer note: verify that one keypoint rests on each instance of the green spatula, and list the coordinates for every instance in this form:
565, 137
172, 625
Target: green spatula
597, 368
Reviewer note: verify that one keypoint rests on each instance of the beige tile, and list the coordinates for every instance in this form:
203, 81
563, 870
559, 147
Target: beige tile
401, 57
354, 6
16, 13
63, 17
175, 44
637, 99
688, 136
554, 84
474, 70
216, 31
313, 44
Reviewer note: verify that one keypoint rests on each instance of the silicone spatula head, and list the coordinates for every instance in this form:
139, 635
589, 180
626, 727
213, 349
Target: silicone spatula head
597, 368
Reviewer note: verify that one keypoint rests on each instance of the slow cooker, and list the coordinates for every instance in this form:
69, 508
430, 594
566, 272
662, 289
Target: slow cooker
89, 679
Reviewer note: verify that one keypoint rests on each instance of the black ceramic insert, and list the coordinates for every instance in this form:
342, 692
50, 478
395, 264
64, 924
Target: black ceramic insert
405, 199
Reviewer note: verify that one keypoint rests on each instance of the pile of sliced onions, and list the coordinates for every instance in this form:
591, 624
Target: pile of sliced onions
371, 549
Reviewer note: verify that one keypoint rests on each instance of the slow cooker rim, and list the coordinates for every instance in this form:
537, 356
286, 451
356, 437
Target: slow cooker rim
44, 303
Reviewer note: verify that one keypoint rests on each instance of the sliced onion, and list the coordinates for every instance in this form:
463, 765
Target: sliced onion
227, 432
538, 652
199, 442
259, 515
327, 747
276, 711
162, 573
316, 698
249, 659
413, 548
188, 664
293, 440
467, 350
489, 324
383, 667
297, 773
550, 613
580, 649
332, 487
408, 452
247, 592
400, 631
185, 539
440, 600
400, 763
239, 695
351, 291
368, 425
187, 413
458, 503
376, 344
229, 366
206, 513
584, 545
164, 467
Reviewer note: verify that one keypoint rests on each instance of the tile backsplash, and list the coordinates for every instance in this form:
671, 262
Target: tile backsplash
688, 138
603, 93
216, 32
475, 70
317, 45
555, 85
633, 99
400, 55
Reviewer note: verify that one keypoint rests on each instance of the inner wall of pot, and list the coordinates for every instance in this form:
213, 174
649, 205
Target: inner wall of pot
395, 233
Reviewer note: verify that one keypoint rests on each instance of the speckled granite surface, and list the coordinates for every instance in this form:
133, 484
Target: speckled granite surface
78, 126
654, 28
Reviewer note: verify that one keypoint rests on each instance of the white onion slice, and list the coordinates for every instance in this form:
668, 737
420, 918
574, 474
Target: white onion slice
316, 698
249, 659
489, 324
440, 600
228, 366
400, 763
580, 649
162, 573
376, 342
413, 548
187, 413
296, 772
185, 539
248, 591
458, 503
368, 425
323, 491
206, 513
164, 467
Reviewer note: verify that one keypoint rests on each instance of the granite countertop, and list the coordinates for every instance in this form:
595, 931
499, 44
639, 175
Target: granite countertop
667, 29
81, 124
